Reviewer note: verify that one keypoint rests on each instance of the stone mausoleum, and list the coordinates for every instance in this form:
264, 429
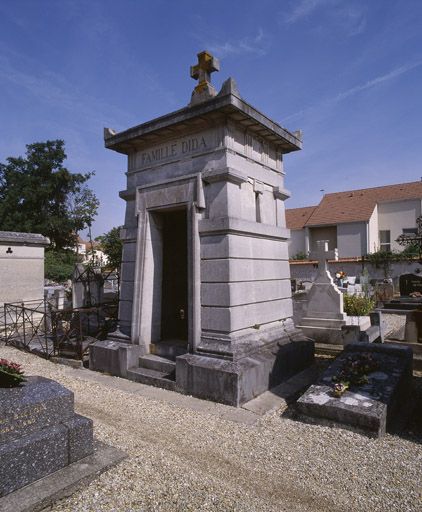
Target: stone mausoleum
205, 304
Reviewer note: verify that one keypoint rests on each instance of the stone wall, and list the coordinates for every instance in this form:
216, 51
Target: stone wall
21, 266
307, 271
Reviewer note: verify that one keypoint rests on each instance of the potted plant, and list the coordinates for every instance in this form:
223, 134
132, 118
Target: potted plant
11, 374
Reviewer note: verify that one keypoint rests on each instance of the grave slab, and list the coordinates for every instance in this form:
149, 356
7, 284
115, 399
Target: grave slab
39, 432
369, 408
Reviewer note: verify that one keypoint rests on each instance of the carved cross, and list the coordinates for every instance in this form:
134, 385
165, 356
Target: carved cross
202, 71
322, 254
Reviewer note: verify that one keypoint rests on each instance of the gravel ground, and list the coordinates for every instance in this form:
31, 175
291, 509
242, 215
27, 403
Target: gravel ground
184, 460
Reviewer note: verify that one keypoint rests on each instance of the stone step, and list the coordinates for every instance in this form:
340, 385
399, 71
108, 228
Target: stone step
159, 363
150, 377
371, 334
168, 349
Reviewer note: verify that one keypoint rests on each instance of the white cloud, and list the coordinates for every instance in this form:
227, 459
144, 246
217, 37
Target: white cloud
257, 45
370, 84
302, 9
333, 15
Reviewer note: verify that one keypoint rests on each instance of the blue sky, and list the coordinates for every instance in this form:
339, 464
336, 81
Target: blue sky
346, 72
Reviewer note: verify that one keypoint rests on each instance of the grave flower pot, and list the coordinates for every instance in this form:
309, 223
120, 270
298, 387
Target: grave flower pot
9, 380
11, 374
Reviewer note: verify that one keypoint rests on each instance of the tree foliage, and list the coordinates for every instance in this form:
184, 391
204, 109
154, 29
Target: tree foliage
112, 246
39, 195
59, 265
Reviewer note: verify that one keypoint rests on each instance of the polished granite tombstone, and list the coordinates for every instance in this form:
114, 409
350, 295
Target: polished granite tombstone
39, 432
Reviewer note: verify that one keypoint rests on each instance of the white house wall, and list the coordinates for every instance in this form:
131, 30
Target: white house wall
396, 216
351, 239
296, 242
373, 238
323, 233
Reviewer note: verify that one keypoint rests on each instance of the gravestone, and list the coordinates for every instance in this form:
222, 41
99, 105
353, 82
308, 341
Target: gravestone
87, 287
371, 407
410, 283
39, 432
384, 291
205, 275
324, 315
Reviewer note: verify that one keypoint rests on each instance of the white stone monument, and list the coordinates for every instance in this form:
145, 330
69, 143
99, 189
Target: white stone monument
324, 317
205, 274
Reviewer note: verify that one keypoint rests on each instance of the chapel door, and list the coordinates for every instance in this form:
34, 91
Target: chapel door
174, 305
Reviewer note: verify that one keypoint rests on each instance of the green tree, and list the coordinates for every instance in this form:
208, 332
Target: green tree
59, 265
39, 195
112, 246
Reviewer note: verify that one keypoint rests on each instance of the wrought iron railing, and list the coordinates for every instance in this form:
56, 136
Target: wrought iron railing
38, 326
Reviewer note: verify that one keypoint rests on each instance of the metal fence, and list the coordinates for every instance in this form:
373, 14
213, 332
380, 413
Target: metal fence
38, 326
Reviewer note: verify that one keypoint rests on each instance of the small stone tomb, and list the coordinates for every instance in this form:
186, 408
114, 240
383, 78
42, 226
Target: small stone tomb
410, 283
369, 408
39, 432
384, 291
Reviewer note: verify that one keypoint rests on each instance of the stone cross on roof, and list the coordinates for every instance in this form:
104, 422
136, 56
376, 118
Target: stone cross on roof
202, 71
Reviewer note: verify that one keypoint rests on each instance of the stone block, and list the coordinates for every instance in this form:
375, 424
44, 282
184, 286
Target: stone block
245, 316
241, 293
113, 357
370, 408
32, 457
237, 246
39, 404
235, 383
39, 432
80, 437
231, 270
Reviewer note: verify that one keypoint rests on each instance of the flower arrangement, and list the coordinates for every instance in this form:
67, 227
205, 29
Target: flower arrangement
354, 372
11, 374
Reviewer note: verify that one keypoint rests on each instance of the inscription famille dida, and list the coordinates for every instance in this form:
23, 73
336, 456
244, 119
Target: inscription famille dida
173, 150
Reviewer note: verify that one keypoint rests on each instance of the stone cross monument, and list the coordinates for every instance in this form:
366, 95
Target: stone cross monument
202, 72
325, 301
205, 273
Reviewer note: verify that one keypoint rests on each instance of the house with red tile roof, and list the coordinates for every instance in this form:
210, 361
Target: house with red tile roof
357, 222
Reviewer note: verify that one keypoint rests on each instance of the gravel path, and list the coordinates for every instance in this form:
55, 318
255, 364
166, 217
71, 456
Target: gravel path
185, 460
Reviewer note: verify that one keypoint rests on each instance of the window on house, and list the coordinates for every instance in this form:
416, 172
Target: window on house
385, 240
410, 231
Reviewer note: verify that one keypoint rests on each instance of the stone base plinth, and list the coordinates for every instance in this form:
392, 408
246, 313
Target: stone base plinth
39, 432
113, 357
237, 382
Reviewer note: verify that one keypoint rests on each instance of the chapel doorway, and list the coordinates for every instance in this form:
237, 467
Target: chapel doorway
174, 290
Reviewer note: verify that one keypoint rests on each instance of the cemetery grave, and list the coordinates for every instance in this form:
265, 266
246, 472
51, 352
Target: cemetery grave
366, 388
39, 432
323, 318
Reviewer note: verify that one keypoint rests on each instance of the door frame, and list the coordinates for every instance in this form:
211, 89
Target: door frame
184, 192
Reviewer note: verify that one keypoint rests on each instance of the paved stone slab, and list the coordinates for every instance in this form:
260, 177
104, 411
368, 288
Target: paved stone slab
370, 407
61, 484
